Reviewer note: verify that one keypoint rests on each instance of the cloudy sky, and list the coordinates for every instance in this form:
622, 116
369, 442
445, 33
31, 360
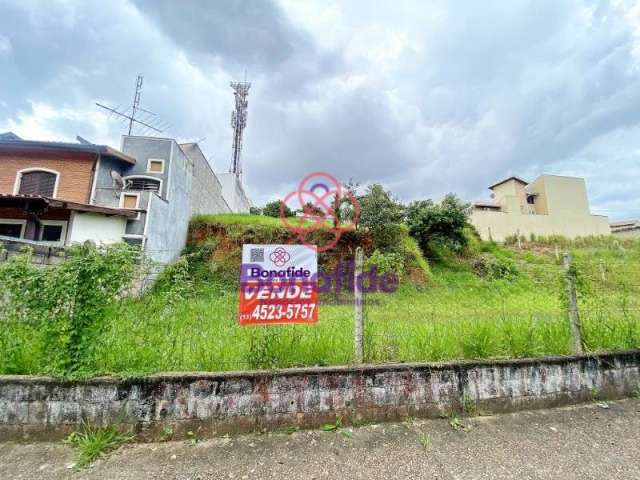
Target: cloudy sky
425, 97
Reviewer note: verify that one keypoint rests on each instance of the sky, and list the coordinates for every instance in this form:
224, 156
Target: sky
425, 97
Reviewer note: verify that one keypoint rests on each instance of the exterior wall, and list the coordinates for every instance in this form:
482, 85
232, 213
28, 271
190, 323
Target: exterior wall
564, 194
561, 208
96, 227
627, 233
498, 225
206, 196
234, 193
145, 148
218, 403
168, 220
75, 169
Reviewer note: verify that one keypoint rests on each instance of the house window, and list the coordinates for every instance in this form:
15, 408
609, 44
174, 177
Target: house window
155, 166
531, 199
37, 182
52, 231
129, 200
143, 183
12, 228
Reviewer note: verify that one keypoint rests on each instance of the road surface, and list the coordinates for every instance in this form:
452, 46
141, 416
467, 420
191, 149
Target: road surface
599, 441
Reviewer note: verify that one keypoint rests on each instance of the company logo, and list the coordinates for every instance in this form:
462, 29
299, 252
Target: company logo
280, 257
324, 205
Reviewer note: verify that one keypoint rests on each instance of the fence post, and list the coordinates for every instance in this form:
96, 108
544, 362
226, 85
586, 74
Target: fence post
357, 290
572, 305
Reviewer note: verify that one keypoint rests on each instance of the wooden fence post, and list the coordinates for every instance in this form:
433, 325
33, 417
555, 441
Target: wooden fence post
357, 290
572, 306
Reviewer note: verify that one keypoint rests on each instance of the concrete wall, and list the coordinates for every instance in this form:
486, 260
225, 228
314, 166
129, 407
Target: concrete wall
168, 220
234, 193
96, 227
498, 225
217, 403
207, 194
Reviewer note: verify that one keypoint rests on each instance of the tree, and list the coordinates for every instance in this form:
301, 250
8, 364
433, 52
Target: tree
439, 224
255, 211
272, 209
382, 215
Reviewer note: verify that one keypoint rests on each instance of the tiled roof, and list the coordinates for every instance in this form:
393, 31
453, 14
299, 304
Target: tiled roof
16, 200
513, 177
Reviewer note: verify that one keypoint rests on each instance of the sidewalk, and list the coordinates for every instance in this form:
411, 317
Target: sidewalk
583, 442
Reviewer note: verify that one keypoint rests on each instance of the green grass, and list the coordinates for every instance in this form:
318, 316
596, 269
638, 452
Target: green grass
455, 315
237, 219
91, 443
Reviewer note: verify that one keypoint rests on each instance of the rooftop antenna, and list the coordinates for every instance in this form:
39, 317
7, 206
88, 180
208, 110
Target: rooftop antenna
149, 123
238, 122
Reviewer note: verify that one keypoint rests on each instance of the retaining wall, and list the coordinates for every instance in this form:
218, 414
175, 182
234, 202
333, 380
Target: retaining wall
218, 403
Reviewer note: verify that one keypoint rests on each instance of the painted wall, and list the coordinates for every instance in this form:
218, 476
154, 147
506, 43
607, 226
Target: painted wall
234, 193
218, 403
98, 228
207, 195
561, 208
168, 220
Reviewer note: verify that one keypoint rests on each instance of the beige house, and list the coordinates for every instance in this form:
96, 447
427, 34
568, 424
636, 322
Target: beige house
550, 205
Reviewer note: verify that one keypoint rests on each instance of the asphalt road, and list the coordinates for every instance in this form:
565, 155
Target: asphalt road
583, 442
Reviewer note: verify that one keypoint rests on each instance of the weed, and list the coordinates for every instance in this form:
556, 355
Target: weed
470, 407
91, 443
457, 425
167, 434
636, 392
425, 440
193, 437
332, 427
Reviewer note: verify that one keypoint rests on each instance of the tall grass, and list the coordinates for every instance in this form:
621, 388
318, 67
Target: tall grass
455, 315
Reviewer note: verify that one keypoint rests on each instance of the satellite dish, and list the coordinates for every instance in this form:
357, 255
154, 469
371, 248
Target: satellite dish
118, 181
492, 195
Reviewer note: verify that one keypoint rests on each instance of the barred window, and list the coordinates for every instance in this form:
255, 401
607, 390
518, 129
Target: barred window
139, 183
38, 183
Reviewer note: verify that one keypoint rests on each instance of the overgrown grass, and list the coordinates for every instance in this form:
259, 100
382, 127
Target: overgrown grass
237, 219
91, 443
496, 303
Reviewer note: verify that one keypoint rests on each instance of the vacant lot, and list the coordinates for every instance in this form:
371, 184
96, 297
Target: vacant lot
498, 302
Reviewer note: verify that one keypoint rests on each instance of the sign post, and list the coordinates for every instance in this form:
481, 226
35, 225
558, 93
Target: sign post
278, 284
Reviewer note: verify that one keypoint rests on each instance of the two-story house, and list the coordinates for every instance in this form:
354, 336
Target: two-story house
550, 205
55, 193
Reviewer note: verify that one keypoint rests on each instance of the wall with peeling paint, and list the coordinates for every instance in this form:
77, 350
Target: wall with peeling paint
218, 403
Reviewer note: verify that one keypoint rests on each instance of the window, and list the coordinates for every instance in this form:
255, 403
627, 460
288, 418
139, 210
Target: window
37, 182
531, 199
155, 166
129, 200
12, 228
143, 183
53, 231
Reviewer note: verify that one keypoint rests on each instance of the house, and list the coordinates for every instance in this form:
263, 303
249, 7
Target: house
626, 228
550, 205
55, 193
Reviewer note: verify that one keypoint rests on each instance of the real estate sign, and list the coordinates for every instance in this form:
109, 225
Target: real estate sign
278, 284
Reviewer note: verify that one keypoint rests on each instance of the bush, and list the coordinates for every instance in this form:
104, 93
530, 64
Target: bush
63, 303
493, 268
391, 262
272, 209
382, 215
437, 225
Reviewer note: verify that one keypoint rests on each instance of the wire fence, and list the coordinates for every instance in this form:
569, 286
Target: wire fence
191, 324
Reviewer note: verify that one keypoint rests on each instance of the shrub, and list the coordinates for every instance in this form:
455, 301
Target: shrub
391, 262
272, 209
382, 215
436, 225
65, 302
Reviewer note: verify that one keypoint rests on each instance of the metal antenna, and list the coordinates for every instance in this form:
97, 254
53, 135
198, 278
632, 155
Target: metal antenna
238, 122
148, 123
